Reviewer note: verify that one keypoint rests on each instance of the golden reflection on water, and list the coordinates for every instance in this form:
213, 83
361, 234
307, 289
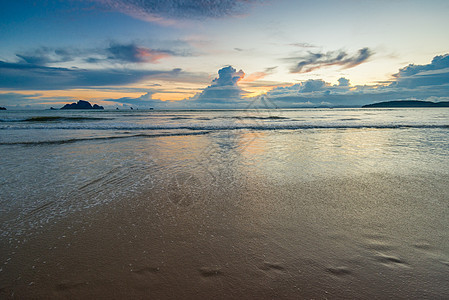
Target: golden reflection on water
252, 143
326, 206
280, 155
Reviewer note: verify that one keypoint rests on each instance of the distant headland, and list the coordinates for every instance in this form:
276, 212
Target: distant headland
407, 103
81, 104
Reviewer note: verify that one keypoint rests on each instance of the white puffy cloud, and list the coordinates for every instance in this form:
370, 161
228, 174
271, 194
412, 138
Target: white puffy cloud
223, 91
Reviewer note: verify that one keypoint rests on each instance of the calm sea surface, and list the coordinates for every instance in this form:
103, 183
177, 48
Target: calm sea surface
309, 202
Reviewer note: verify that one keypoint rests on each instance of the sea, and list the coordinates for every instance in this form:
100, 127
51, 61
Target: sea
254, 203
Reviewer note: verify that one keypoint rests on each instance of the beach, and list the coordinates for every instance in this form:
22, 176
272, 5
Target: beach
309, 204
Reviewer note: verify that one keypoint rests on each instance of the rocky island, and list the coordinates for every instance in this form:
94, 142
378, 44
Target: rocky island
81, 104
407, 103
2, 108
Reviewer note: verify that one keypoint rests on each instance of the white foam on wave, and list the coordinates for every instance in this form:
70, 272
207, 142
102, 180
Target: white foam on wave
222, 126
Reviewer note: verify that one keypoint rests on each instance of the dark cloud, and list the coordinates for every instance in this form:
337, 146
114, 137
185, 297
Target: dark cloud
227, 76
114, 53
316, 60
33, 59
343, 82
435, 73
35, 77
312, 85
45, 55
156, 10
135, 54
42, 68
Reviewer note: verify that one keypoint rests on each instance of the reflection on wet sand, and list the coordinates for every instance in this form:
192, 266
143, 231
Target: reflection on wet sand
316, 214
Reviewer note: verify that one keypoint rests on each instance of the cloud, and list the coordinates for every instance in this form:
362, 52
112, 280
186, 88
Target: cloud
144, 101
419, 82
115, 53
259, 75
343, 82
135, 54
303, 45
167, 11
255, 76
8, 99
45, 68
316, 60
435, 73
227, 76
224, 90
36, 77
46, 55
312, 85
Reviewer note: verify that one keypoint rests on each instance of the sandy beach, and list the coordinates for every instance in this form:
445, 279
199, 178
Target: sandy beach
308, 213
336, 238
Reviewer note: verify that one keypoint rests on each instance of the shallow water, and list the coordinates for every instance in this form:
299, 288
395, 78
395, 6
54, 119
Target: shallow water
226, 204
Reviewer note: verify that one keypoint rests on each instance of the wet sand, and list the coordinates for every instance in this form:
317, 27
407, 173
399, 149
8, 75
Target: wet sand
368, 236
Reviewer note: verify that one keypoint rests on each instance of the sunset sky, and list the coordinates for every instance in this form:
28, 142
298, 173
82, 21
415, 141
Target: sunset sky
222, 54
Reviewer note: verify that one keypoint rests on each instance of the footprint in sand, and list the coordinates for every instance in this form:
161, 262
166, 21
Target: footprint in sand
445, 262
184, 189
390, 260
210, 271
423, 246
267, 266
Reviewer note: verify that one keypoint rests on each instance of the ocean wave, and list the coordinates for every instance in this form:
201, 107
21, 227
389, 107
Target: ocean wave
53, 119
231, 118
75, 140
350, 119
254, 118
222, 126
181, 118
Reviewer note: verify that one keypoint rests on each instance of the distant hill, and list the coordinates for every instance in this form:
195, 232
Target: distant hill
81, 104
408, 103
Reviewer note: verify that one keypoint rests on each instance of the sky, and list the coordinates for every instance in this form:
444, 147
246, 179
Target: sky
222, 54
